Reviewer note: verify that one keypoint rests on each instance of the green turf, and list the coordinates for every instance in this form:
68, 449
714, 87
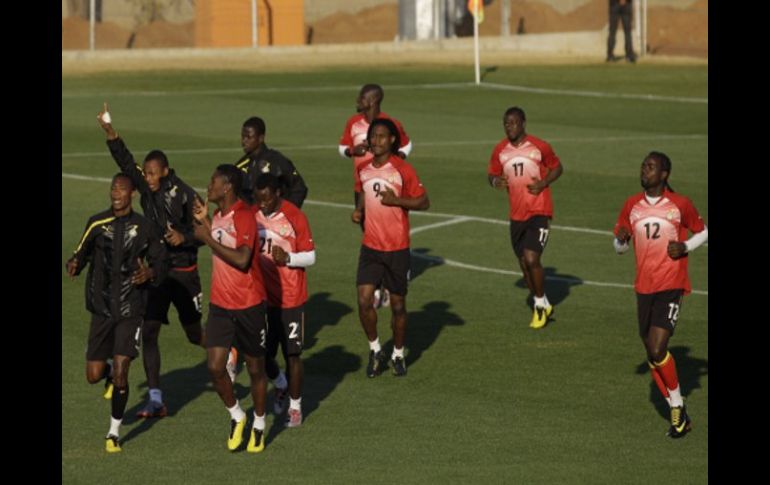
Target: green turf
486, 400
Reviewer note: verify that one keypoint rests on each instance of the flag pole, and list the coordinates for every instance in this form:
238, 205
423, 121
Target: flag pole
476, 39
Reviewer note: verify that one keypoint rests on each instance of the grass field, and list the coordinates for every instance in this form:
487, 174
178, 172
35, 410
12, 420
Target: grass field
487, 399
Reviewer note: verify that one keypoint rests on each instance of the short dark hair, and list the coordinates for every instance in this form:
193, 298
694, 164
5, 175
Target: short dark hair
121, 175
391, 126
157, 155
266, 180
515, 110
377, 90
257, 123
232, 175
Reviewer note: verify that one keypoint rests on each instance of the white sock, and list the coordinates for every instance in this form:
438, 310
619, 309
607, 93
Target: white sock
295, 403
156, 395
545, 300
280, 381
236, 412
540, 302
115, 426
259, 422
374, 345
676, 397
397, 353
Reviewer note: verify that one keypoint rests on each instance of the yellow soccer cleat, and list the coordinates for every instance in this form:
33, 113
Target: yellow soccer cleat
108, 387
236, 434
112, 445
540, 316
257, 441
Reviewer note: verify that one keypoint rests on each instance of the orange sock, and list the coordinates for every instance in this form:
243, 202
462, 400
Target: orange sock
667, 371
658, 379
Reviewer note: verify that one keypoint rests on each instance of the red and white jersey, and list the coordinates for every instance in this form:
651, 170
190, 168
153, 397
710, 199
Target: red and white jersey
232, 288
652, 226
287, 228
386, 228
355, 134
520, 164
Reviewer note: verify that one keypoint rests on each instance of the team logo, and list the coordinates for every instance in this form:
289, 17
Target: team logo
534, 155
671, 214
172, 192
266, 166
284, 230
133, 231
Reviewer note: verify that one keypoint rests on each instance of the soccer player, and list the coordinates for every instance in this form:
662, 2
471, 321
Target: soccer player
353, 144
389, 189
525, 166
259, 159
237, 310
117, 242
285, 249
168, 202
657, 219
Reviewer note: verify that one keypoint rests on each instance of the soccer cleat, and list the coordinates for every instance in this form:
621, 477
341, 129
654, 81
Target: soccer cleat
385, 298
279, 400
153, 409
236, 434
112, 445
377, 363
680, 422
232, 364
256, 441
540, 316
293, 418
399, 367
108, 387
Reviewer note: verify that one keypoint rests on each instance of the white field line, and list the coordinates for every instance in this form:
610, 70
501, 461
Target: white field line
460, 85
236, 152
596, 94
453, 219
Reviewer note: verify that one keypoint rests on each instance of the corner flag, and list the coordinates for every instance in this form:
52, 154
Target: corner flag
472, 5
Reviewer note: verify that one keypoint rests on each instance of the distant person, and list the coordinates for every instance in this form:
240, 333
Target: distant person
620, 10
658, 220
525, 166
168, 202
259, 159
354, 144
285, 249
115, 245
389, 189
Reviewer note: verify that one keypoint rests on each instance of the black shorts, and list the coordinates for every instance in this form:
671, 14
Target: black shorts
285, 326
108, 337
245, 329
659, 309
531, 234
389, 267
183, 289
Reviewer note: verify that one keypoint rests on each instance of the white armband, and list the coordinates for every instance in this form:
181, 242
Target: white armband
302, 259
620, 247
342, 149
406, 149
697, 239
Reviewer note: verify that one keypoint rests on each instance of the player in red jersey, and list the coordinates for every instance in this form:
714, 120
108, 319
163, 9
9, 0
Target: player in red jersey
658, 219
354, 144
285, 249
525, 166
389, 189
237, 309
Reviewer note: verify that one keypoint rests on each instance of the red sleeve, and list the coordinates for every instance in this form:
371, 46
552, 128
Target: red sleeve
401, 133
245, 228
624, 219
690, 217
346, 139
550, 160
302, 230
412, 186
357, 185
495, 168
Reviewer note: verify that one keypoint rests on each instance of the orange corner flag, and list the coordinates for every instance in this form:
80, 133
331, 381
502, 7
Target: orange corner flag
472, 9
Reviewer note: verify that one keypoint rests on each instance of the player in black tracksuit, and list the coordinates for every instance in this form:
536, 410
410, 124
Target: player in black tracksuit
167, 201
259, 159
115, 245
